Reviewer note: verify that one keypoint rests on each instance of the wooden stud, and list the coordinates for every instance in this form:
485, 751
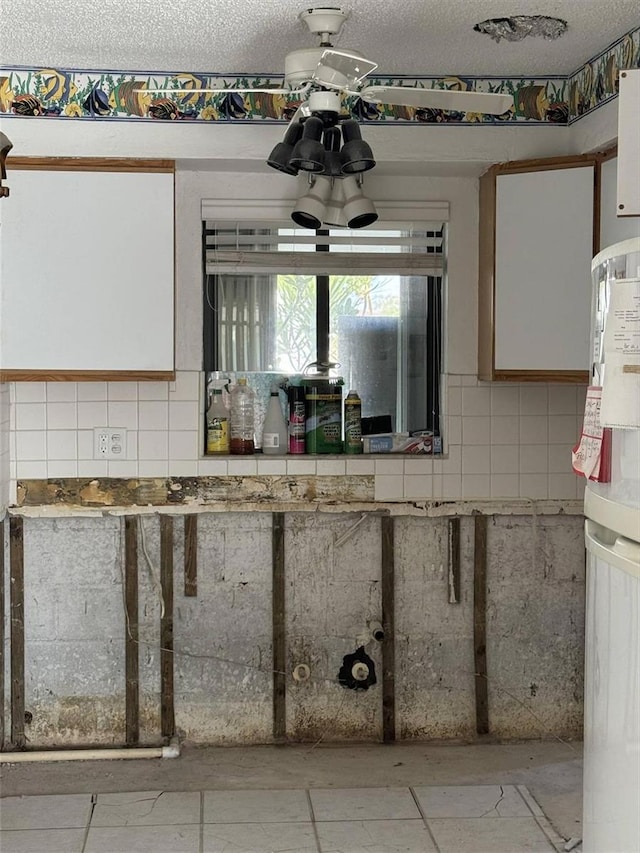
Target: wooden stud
16, 568
454, 561
132, 688
278, 616
480, 623
167, 711
388, 623
18, 375
90, 164
2, 635
190, 555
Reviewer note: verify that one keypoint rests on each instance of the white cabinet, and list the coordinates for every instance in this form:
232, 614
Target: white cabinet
613, 228
536, 245
87, 270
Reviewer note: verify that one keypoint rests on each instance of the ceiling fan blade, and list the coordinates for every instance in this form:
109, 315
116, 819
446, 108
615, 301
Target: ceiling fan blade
342, 69
439, 99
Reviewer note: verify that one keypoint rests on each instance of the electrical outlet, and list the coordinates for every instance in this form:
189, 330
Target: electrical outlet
109, 443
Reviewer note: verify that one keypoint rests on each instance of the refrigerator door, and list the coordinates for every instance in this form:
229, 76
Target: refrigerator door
612, 693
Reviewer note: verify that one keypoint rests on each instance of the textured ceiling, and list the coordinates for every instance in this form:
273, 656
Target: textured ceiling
418, 37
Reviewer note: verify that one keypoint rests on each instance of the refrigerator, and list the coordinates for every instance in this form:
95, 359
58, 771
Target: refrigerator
611, 788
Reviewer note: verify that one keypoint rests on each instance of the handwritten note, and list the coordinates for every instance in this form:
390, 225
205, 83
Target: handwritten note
591, 457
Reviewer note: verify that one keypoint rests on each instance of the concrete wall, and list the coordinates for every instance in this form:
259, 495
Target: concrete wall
75, 629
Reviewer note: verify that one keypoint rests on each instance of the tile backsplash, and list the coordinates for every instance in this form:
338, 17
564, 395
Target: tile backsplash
503, 440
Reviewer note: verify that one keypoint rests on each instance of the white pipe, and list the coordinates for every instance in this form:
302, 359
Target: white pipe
170, 751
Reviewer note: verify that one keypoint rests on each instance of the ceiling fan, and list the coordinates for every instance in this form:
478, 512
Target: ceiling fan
318, 75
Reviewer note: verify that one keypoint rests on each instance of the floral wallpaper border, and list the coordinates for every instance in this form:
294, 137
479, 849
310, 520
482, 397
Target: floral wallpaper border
119, 95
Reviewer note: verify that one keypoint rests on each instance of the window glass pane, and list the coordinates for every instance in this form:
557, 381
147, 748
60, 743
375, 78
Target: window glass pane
295, 322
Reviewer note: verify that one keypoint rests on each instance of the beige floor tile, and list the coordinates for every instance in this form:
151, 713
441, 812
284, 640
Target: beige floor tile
256, 807
489, 835
363, 804
376, 836
42, 840
259, 838
472, 801
51, 812
146, 808
144, 839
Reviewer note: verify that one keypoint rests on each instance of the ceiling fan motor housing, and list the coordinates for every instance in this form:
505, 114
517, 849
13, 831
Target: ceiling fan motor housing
324, 21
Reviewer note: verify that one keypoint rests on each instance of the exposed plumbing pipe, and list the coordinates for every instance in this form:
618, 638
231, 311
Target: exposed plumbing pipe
170, 751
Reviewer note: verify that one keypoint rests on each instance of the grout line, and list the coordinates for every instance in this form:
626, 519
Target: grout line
556, 840
94, 800
424, 818
313, 820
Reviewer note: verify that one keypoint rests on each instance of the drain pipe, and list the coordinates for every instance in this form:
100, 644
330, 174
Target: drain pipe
170, 751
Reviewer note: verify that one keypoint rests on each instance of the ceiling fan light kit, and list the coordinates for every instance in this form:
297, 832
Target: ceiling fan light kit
356, 154
308, 152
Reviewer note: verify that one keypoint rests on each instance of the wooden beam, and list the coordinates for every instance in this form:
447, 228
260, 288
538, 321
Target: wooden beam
388, 623
454, 561
167, 711
132, 686
480, 623
190, 555
21, 375
16, 568
278, 617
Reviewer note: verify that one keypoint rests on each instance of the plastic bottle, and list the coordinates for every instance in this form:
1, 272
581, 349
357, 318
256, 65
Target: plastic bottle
242, 418
274, 432
352, 423
217, 424
297, 419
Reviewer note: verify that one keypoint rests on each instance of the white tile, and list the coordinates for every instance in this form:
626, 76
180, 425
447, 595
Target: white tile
476, 486
30, 470
505, 485
416, 464
330, 467
183, 444
51, 812
85, 444
218, 467
533, 459
39, 840
122, 415
389, 488
562, 429
505, 430
132, 444
468, 380
533, 486
61, 392
361, 466
301, 467
62, 416
187, 385
92, 414
363, 804
504, 400
533, 429
256, 807
476, 430
534, 400
242, 467
476, 459
153, 444
183, 468
489, 835
505, 459
452, 485
560, 458
122, 468
452, 464
454, 380
31, 445
562, 400
153, 468
146, 808
154, 414
153, 390
562, 486
418, 487
256, 837
581, 397
437, 485
453, 401
466, 801
183, 415
92, 391
476, 401
122, 391
30, 392
273, 464
453, 429
62, 444
30, 416
390, 466
62, 468
580, 487
93, 468
379, 836
144, 839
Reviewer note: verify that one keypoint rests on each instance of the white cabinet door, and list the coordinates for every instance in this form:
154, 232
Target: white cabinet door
87, 272
613, 228
543, 251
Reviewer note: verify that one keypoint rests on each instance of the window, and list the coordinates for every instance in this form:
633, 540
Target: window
368, 304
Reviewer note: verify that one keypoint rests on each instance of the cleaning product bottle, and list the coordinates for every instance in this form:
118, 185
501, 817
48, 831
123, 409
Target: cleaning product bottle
217, 424
297, 419
274, 432
352, 423
242, 418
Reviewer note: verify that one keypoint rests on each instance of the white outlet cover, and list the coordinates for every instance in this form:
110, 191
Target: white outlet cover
109, 443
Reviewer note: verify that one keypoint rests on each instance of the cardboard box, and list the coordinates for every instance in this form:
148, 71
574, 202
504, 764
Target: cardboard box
402, 442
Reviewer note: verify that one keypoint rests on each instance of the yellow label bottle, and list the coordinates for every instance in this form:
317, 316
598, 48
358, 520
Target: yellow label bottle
217, 425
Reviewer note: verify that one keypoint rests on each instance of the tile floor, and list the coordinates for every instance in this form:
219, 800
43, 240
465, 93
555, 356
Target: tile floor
435, 819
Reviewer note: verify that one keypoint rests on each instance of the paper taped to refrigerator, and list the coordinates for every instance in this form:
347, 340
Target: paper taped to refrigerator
622, 329
621, 382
